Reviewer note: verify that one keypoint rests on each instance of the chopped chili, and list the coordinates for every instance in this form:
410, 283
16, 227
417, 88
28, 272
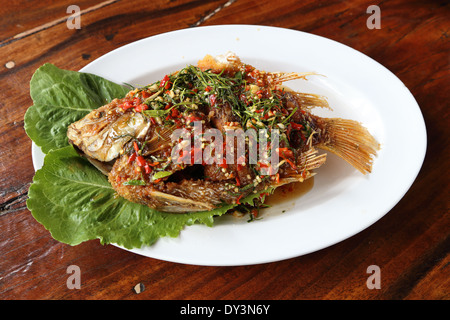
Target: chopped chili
141, 108
140, 161
296, 126
135, 146
131, 158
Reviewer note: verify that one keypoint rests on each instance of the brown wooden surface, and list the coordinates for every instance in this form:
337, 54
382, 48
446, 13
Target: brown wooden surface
410, 244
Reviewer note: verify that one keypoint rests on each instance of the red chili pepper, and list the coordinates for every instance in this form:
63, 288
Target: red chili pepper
131, 158
141, 108
238, 181
164, 81
147, 168
262, 165
145, 94
127, 105
304, 174
291, 163
140, 161
285, 152
223, 164
193, 118
175, 113
296, 126
208, 89
239, 199
135, 146
136, 101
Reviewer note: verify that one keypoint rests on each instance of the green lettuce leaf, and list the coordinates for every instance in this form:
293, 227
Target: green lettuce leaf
61, 97
76, 203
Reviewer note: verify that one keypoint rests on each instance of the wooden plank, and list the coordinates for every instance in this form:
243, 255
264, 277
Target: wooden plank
409, 244
20, 18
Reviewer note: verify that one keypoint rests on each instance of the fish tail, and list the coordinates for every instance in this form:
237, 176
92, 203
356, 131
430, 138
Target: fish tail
349, 140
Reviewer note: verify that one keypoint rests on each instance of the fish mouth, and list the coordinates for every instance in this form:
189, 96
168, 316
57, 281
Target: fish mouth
103, 167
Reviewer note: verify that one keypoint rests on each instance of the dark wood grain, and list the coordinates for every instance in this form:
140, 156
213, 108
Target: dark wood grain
410, 244
20, 17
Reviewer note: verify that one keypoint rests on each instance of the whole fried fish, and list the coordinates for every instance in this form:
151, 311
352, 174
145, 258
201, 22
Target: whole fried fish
165, 145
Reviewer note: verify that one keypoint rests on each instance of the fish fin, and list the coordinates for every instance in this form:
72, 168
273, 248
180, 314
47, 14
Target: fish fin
310, 160
352, 142
280, 77
309, 100
294, 178
171, 203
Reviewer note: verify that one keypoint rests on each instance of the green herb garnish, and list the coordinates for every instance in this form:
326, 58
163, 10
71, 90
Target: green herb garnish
134, 183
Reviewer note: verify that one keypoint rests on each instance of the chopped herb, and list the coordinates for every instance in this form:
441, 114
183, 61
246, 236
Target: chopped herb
155, 113
134, 183
161, 174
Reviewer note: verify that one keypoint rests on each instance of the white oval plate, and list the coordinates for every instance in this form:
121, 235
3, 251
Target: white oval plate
342, 202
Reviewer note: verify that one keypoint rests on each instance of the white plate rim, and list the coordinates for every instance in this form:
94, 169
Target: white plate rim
191, 249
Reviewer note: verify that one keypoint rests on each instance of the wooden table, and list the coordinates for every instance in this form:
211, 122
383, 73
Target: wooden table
410, 244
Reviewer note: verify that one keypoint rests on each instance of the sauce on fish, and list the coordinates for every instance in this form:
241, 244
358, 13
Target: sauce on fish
290, 192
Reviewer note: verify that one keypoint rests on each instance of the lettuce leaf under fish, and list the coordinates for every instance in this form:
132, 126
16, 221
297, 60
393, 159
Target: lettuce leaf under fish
70, 197
76, 203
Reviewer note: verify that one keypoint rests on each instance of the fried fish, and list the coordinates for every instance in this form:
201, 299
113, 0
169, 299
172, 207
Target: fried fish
165, 145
